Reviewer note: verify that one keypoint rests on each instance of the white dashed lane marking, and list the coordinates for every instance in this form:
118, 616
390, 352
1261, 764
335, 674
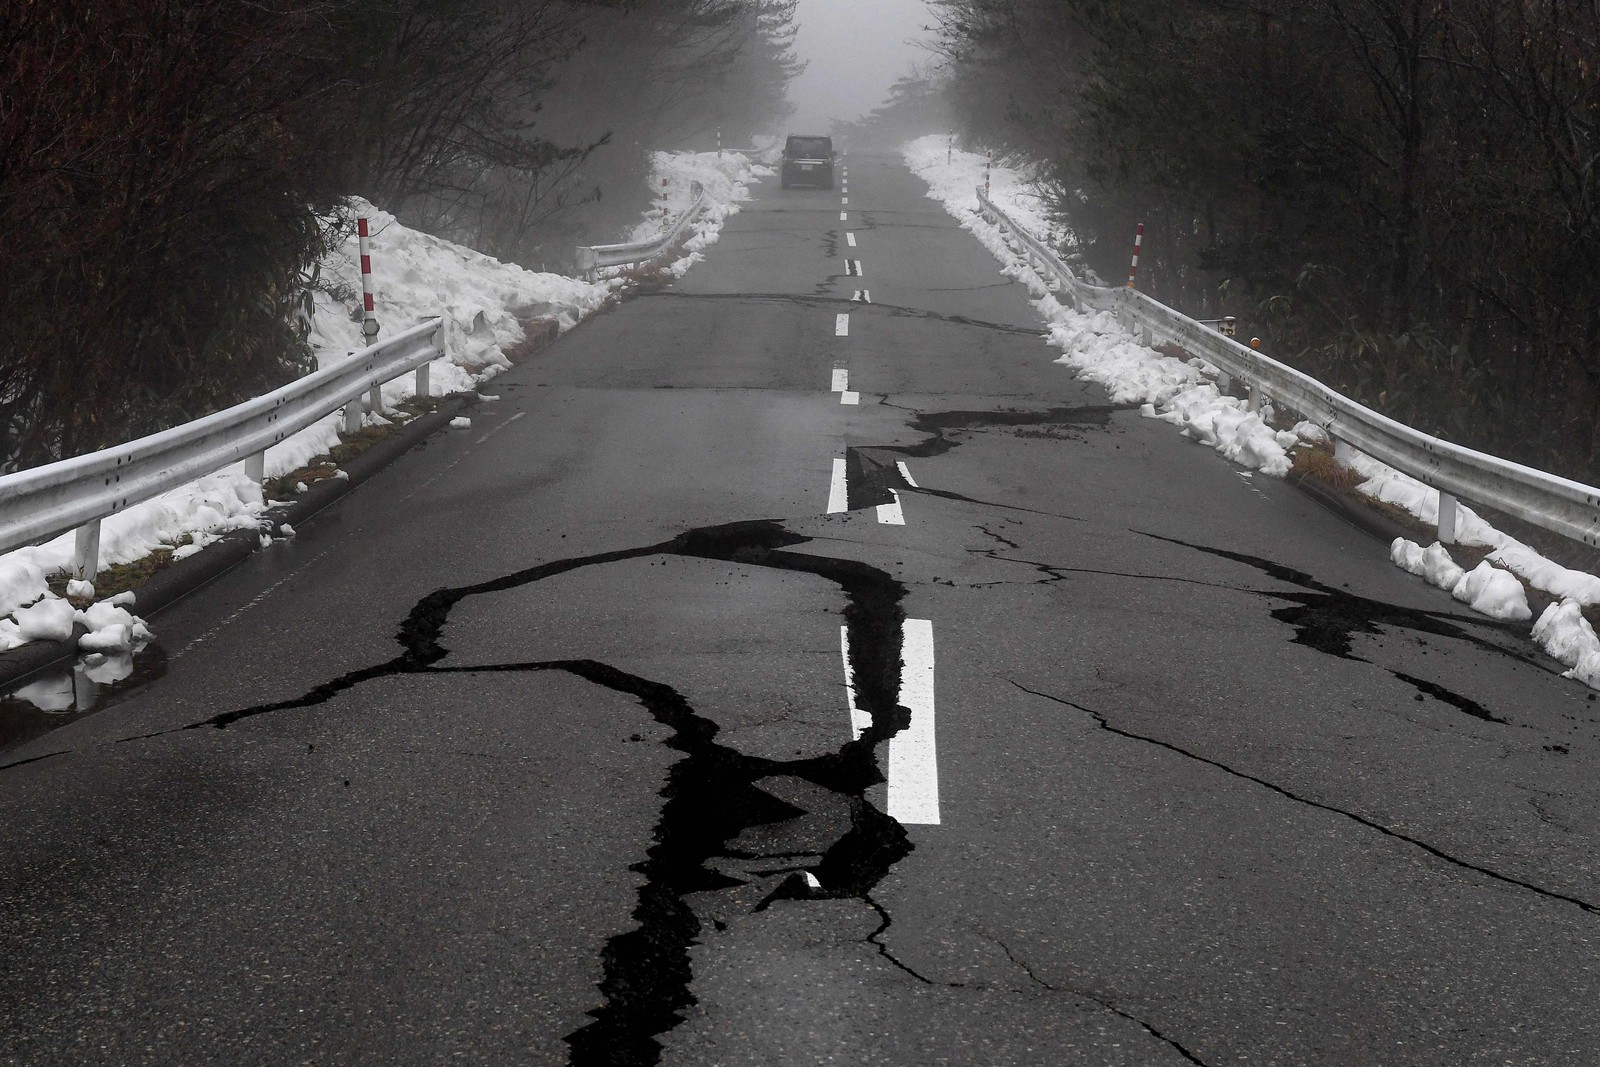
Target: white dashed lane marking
862, 297
850, 239
841, 327
892, 514
850, 397
841, 379
905, 472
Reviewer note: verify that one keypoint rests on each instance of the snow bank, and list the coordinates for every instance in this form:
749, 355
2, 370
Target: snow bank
1094, 346
416, 276
726, 178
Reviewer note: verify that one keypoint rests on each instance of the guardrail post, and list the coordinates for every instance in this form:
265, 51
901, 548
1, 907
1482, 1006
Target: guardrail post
1447, 518
352, 416
375, 399
1255, 398
422, 380
86, 551
255, 467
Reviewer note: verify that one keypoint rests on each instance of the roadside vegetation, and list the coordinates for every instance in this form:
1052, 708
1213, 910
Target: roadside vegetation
1400, 197
169, 169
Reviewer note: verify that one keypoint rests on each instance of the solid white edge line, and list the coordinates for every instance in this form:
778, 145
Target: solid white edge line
849, 396
905, 472
892, 514
913, 753
859, 720
841, 326
841, 380
838, 490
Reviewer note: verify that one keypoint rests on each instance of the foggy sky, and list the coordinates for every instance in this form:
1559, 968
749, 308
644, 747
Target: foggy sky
856, 49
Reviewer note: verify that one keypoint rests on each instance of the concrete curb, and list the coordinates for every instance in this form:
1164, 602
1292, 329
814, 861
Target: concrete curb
171, 584
1366, 519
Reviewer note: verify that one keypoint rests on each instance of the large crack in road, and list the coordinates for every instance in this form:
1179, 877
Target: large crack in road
713, 794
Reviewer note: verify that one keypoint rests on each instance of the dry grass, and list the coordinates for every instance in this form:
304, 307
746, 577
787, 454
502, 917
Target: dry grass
320, 468
538, 335
1318, 462
124, 577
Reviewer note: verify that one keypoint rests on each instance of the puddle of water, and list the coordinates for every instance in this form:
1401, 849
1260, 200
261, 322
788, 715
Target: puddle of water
65, 694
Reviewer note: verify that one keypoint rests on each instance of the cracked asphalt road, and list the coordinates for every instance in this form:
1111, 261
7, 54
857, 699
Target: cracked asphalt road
536, 748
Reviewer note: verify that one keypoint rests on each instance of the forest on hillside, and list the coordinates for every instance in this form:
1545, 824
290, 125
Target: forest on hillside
1400, 197
169, 168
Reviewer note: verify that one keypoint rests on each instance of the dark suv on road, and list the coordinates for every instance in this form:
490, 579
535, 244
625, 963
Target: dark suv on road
808, 161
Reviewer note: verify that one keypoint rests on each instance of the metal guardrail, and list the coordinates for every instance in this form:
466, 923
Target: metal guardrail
591, 258
75, 494
1566, 507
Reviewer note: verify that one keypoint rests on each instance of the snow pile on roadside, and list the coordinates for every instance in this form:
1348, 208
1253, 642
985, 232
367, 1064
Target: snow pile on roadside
484, 303
111, 627
1432, 564
417, 276
726, 178
1383, 482
1567, 637
955, 183
1097, 349
1093, 344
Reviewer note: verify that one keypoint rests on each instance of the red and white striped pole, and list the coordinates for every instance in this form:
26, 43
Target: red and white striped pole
369, 325
988, 161
1138, 242
369, 320
663, 205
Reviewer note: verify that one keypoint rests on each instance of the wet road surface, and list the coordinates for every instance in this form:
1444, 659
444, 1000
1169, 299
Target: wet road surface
539, 747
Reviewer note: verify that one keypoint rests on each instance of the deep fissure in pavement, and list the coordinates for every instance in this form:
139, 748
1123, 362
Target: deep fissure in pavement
870, 479
712, 793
